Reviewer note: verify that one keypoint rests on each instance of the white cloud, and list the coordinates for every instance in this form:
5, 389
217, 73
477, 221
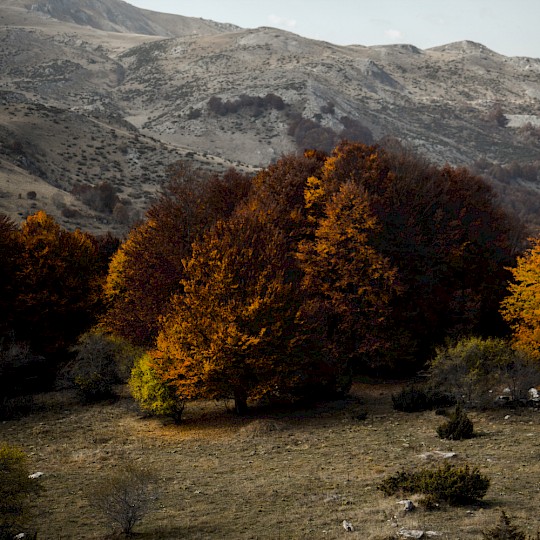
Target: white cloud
282, 22
393, 34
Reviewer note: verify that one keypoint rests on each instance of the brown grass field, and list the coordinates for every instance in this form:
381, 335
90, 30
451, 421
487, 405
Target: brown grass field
273, 475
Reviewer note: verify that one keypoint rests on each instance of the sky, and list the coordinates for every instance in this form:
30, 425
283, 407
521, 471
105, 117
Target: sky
509, 27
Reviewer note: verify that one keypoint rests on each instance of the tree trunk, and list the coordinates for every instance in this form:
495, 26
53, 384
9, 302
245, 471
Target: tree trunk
240, 402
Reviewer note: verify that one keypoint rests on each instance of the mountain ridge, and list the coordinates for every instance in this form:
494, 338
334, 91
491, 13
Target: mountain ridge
84, 105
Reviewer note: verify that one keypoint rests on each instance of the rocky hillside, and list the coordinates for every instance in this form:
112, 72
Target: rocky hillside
97, 93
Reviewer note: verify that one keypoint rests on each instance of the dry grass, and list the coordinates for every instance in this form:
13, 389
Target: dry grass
288, 475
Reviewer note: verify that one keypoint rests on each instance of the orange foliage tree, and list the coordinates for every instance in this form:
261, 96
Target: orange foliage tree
10, 250
443, 231
147, 269
58, 284
234, 332
345, 279
521, 309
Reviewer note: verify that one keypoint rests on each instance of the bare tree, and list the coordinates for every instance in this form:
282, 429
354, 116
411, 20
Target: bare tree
125, 497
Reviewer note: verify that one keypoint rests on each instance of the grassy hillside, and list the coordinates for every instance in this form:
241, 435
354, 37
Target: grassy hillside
288, 475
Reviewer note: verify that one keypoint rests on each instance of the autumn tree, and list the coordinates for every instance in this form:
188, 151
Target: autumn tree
10, 250
233, 332
443, 231
58, 281
521, 309
346, 280
147, 269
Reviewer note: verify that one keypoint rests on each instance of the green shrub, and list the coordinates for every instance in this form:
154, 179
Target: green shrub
152, 395
459, 426
454, 485
504, 530
475, 370
415, 399
16, 489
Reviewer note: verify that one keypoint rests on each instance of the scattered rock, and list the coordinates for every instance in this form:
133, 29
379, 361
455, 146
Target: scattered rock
411, 533
36, 475
438, 454
348, 526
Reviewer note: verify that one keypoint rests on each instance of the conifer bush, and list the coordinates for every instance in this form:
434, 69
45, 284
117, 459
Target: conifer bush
458, 427
455, 485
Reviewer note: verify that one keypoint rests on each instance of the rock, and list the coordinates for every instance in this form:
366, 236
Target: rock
36, 475
347, 525
438, 454
411, 533
409, 506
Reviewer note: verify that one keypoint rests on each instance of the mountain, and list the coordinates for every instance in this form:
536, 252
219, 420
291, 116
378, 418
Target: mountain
98, 92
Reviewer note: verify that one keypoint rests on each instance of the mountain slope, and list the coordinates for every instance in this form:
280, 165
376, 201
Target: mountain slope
94, 91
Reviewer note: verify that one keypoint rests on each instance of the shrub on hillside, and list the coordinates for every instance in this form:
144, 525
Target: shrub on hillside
415, 399
454, 485
153, 396
16, 490
459, 426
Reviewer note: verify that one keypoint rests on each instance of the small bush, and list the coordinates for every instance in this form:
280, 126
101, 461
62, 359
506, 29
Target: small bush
454, 485
504, 530
94, 372
153, 395
414, 399
458, 427
124, 498
16, 490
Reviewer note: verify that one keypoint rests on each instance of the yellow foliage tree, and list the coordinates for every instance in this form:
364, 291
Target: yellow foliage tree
521, 309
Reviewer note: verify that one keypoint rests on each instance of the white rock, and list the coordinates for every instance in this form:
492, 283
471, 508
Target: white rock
347, 525
35, 475
411, 533
19, 536
438, 454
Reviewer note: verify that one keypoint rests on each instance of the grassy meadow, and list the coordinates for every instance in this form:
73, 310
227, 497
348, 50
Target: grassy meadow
274, 474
